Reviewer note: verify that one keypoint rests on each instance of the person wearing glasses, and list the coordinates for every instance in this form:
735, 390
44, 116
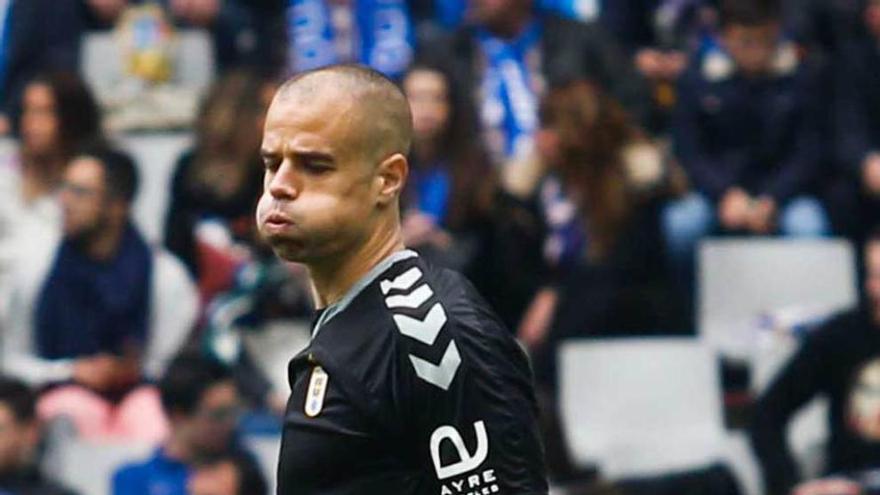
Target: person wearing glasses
202, 403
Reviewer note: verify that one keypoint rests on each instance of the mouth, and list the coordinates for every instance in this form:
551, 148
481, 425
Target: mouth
277, 221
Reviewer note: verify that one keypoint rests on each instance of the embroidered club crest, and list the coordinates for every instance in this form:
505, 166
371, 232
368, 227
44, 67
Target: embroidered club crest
316, 392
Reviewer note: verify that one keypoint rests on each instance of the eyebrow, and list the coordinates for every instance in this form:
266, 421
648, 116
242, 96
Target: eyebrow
300, 155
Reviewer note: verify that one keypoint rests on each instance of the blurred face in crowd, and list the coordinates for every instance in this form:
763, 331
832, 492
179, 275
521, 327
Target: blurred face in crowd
17, 440
328, 186
221, 478
208, 430
752, 47
84, 199
428, 97
872, 18
872, 278
497, 14
39, 121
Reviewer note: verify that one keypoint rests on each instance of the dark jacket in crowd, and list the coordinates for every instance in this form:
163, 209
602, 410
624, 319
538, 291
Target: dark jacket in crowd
30, 482
762, 134
569, 50
831, 362
42, 36
824, 24
857, 113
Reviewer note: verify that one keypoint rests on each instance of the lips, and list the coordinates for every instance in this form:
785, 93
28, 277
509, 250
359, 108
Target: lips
277, 222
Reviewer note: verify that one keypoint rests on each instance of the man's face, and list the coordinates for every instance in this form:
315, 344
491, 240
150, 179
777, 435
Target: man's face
84, 198
872, 18
428, 98
495, 12
752, 47
209, 429
872, 278
16, 440
39, 121
318, 196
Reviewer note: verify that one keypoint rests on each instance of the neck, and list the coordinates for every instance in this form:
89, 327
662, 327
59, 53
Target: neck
104, 245
176, 448
332, 279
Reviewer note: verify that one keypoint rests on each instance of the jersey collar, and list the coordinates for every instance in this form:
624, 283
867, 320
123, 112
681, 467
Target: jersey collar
339, 306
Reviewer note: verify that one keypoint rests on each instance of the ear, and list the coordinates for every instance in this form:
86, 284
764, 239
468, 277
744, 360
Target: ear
391, 178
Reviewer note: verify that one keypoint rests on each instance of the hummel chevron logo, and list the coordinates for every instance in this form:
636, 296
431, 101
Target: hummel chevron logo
426, 330
412, 300
403, 282
440, 375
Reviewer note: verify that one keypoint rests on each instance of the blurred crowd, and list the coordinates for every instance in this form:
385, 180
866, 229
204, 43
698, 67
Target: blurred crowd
568, 157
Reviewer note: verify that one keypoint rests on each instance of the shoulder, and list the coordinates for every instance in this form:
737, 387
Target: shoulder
132, 474
442, 327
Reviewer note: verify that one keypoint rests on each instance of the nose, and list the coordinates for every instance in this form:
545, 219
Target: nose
284, 184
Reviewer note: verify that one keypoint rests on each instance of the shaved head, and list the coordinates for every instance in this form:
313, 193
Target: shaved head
335, 145
375, 105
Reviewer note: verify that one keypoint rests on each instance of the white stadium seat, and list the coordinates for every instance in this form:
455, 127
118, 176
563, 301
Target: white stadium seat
156, 155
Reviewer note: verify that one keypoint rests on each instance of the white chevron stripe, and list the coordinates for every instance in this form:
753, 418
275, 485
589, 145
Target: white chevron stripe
402, 282
426, 330
440, 375
412, 300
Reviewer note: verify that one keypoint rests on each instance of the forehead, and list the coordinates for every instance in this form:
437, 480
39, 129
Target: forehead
323, 119
85, 170
219, 394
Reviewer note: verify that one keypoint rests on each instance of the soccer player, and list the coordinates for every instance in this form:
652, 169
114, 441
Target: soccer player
410, 385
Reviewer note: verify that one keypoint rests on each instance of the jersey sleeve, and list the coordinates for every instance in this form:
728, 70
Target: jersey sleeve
468, 399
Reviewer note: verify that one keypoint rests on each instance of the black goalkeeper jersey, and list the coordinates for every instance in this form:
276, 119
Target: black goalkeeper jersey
411, 385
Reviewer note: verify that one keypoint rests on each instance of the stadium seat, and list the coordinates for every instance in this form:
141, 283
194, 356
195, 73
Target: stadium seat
88, 467
156, 155
741, 280
641, 407
747, 284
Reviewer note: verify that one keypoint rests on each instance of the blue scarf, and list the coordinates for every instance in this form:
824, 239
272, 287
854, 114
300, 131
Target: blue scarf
510, 105
385, 38
88, 307
6, 10
450, 14
433, 187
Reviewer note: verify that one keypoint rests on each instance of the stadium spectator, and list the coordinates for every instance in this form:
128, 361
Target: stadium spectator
36, 36
747, 129
379, 34
58, 116
20, 433
661, 35
824, 25
604, 250
841, 361
858, 131
98, 311
450, 188
245, 33
232, 475
510, 53
216, 184
202, 405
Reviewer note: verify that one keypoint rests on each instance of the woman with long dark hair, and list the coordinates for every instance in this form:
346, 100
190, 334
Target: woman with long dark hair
217, 183
58, 116
604, 251
449, 193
